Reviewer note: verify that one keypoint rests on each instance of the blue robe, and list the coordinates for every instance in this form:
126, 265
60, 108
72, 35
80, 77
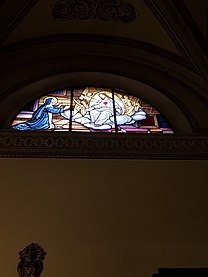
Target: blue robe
40, 118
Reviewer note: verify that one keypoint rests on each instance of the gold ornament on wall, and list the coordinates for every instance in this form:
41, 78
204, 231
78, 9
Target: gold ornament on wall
106, 10
31, 261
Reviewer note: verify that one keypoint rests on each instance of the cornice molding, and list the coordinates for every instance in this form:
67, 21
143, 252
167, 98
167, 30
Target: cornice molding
97, 45
92, 38
101, 146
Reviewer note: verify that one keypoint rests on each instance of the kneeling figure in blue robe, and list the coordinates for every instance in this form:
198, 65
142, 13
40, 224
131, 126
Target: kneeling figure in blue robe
42, 117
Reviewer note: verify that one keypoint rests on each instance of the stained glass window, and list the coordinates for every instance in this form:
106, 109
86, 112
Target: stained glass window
91, 109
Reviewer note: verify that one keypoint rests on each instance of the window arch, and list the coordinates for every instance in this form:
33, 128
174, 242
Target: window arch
91, 109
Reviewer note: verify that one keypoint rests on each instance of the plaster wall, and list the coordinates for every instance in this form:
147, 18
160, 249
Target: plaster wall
104, 217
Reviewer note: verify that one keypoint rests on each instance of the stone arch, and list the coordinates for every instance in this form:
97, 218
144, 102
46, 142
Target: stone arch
36, 67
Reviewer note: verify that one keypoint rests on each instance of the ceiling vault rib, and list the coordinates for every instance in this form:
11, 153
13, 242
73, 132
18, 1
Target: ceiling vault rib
11, 13
193, 26
180, 33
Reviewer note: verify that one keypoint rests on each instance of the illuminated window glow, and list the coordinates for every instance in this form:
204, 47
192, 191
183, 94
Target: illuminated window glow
91, 109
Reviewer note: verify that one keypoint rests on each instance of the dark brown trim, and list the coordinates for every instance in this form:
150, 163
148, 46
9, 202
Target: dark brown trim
36, 144
135, 44
11, 13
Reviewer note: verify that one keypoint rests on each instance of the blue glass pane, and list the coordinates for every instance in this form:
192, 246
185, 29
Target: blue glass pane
91, 109
47, 113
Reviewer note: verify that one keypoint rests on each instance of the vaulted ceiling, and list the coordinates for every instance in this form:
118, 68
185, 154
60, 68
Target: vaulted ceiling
162, 43
112, 217
178, 27
145, 28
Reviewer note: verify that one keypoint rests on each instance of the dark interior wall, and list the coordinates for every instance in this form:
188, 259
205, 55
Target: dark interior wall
104, 217
41, 65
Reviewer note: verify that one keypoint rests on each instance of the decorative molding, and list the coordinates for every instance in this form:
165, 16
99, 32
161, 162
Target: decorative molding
101, 145
66, 38
107, 10
31, 261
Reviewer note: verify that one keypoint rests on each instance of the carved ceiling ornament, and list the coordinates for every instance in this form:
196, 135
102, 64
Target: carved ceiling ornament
107, 10
31, 258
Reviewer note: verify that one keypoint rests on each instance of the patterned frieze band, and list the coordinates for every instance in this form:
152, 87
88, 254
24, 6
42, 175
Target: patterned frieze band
107, 10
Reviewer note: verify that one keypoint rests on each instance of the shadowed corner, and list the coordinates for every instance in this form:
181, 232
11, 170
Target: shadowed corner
177, 272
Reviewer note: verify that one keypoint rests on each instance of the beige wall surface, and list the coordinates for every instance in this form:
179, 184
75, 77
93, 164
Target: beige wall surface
104, 218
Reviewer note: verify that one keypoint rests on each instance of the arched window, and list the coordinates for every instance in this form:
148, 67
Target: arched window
91, 109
